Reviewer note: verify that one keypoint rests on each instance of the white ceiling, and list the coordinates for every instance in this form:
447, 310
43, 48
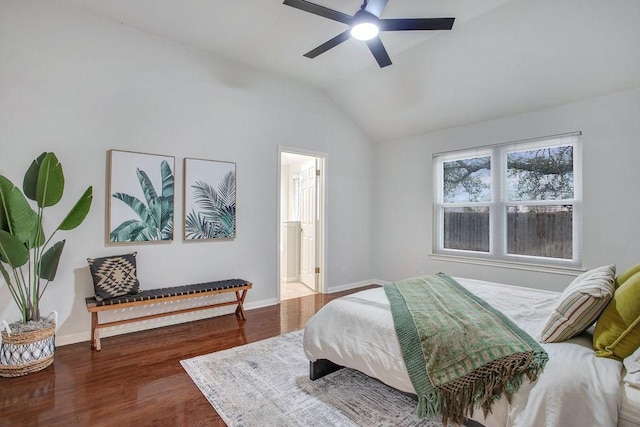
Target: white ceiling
501, 57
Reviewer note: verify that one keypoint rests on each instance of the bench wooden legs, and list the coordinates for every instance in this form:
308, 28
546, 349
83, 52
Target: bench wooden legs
240, 300
95, 334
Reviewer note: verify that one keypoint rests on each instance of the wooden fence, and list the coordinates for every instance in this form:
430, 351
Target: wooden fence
544, 234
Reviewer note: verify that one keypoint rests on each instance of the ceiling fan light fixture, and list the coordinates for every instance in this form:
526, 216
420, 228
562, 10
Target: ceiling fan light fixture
364, 31
364, 26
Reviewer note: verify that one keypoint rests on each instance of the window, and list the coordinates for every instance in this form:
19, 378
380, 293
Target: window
515, 202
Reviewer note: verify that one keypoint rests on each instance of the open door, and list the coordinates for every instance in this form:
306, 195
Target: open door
301, 246
308, 224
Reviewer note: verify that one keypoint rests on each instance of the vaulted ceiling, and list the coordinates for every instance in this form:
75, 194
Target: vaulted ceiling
502, 57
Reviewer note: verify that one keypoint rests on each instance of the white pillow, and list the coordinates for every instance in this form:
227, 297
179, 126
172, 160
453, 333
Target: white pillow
580, 304
632, 364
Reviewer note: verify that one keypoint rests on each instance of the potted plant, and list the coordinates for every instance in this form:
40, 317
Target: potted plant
29, 261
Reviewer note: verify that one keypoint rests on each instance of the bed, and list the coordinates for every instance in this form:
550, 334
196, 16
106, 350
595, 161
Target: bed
575, 388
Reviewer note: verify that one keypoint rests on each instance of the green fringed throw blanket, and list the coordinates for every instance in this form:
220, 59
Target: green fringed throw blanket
459, 351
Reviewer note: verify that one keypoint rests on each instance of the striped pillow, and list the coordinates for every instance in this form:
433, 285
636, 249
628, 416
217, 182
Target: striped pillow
580, 304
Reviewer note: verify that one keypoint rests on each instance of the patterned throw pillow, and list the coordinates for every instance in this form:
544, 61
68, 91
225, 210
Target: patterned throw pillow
114, 276
580, 304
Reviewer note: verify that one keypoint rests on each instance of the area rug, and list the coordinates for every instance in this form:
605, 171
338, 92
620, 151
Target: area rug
266, 383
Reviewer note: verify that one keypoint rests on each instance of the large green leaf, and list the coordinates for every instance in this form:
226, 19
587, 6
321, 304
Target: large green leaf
12, 250
134, 203
147, 228
148, 234
30, 183
130, 231
4, 221
155, 210
167, 179
147, 187
44, 180
167, 231
17, 216
124, 231
166, 211
50, 260
79, 211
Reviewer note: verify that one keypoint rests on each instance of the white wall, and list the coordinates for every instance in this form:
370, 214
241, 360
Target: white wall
79, 86
403, 190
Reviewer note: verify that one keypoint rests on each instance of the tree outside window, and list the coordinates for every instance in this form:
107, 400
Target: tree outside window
516, 200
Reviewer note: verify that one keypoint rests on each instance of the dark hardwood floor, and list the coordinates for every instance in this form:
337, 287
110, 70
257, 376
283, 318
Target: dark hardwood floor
137, 379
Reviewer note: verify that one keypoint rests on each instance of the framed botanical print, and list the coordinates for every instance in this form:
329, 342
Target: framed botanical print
209, 199
140, 193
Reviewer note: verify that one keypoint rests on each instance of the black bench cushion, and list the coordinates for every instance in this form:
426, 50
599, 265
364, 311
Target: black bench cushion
152, 294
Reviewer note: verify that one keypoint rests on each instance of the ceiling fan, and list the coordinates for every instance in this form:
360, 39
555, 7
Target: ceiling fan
365, 25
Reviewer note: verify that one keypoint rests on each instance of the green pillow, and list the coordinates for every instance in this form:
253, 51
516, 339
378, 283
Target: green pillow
617, 333
625, 275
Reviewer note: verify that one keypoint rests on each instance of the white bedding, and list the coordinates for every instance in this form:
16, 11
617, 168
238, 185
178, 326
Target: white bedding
630, 410
575, 389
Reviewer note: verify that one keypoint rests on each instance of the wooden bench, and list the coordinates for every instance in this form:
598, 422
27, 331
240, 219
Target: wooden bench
152, 296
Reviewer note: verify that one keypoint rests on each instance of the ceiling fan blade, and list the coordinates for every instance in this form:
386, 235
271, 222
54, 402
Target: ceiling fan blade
328, 45
375, 7
410, 24
319, 10
379, 52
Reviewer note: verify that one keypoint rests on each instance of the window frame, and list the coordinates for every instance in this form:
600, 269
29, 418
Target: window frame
499, 203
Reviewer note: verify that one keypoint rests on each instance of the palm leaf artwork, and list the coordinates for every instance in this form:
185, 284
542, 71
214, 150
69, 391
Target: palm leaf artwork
155, 213
216, 217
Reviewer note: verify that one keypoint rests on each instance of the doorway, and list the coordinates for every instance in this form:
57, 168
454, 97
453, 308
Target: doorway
301, 223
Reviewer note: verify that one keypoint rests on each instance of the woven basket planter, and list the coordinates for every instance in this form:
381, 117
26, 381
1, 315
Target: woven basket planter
26, 352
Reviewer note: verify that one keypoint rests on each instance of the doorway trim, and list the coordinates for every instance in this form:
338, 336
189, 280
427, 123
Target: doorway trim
321, 234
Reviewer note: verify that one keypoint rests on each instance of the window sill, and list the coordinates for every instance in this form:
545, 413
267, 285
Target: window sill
555, 269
